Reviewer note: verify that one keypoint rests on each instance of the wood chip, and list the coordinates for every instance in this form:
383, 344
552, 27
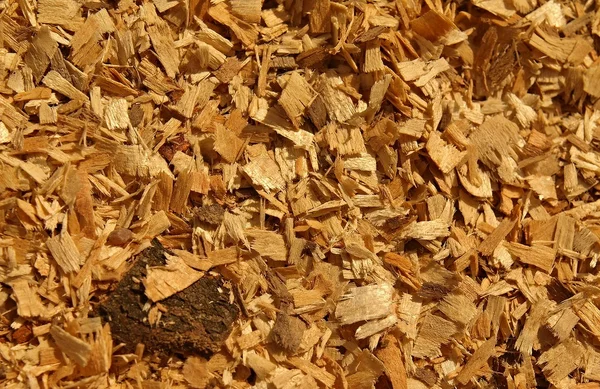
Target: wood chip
299, 194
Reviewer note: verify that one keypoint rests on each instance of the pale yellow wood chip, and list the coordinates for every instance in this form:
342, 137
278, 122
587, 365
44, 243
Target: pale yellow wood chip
373, 61
537, 255
116, 115
427, 230
445, 156
160, 34
227, 143
553, 46
264, 173
66, 13
534, 320
339, 105
375, 326
477, 361
164, 281
245, 32
357, 304
76, 349
434, 332
490, 243
458, 307
24, 293
561, 360
590, 315
55, 81
65, 252
247, 10
269, 244
316, 372
223, 256
296, 97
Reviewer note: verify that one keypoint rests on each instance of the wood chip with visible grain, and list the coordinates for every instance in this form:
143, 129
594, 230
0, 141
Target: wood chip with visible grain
299, 194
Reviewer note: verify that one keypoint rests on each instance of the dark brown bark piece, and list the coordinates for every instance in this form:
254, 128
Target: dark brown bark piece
287, 332
197, 320
318, 113
169, 149
136, 114
427, 376
120, 237
211, 214
23, 334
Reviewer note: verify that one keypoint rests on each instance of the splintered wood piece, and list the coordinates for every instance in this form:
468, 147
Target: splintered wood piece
247, 10
155, 79
375, 326
138, 161
590, 314
496, 139
116, 116
391, 356
65, 252
490, 243
393, 193
477, 361
537, 255
459, 307
434, 332
373, 61
437, 28
532, 324
496, 7
428, 230
339, 105
39, 93
55, 81
296, 97
245, 32
160, 34
357, 304
196, 372
561, 360
408, 314
65, 13
264, 173
552, 46
41, 51
76, 349
228, 144
314, 371
268, 244
29, 303
562, 323
445, 156
344, 140
320, 17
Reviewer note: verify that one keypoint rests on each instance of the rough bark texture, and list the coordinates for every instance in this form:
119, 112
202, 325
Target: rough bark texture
197, 319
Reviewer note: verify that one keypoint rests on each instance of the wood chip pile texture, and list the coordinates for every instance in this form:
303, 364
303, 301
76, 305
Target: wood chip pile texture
394, 194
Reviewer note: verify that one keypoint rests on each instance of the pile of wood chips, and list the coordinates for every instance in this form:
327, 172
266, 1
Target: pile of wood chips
399, 194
